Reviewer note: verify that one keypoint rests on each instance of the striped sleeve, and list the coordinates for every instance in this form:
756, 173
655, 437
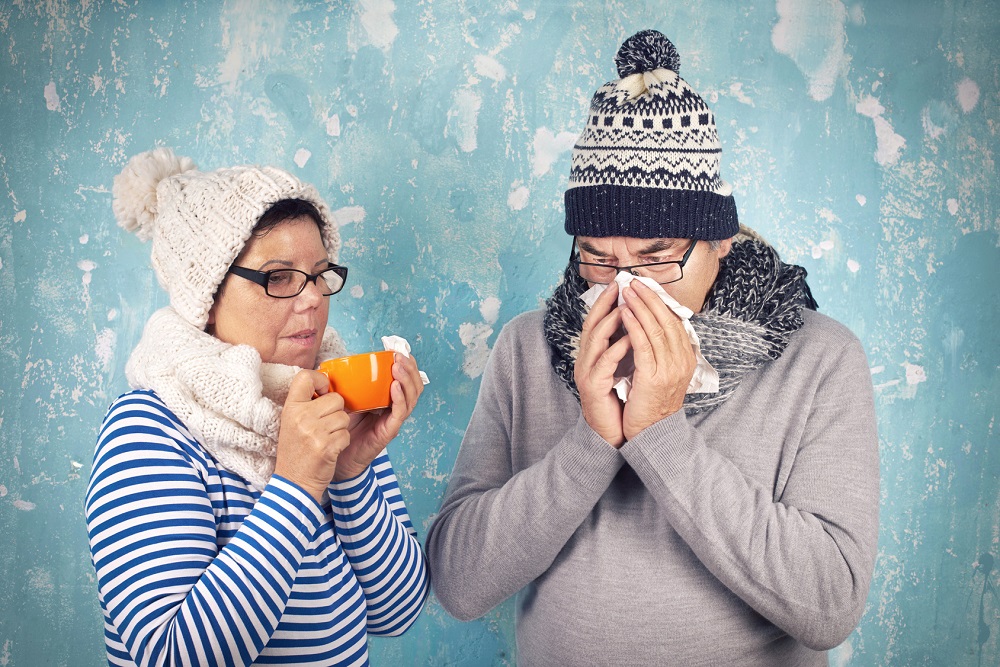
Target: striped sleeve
171, 594
381, 546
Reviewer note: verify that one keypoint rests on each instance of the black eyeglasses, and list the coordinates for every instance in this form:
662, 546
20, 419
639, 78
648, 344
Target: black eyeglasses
286, 283
603, 274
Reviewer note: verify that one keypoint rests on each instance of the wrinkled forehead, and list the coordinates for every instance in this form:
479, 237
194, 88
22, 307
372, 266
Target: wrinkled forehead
628, 245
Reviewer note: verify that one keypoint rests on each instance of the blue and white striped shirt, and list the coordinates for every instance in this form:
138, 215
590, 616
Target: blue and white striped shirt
195, 567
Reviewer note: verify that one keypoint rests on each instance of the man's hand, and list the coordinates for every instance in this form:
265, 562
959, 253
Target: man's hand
664, 360
596, 364
312, 434
370, 431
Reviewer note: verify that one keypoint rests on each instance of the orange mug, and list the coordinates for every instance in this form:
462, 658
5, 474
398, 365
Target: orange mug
362, 379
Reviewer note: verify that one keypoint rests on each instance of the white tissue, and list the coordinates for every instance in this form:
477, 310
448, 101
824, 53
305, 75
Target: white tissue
705, 379
399, 344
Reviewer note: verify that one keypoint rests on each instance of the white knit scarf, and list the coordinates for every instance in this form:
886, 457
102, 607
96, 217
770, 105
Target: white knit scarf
226, 397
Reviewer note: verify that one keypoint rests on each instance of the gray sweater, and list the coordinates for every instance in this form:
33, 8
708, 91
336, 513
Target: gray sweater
741, 536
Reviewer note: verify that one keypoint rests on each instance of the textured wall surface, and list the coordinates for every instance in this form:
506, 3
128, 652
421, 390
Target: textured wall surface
861, 139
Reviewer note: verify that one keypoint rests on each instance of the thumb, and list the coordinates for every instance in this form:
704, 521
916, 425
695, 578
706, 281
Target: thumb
305, 385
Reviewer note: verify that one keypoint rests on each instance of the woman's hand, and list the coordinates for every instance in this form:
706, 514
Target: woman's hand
371, 431
313, 433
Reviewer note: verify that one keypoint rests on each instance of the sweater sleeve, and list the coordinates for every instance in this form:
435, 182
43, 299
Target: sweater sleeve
803, 559
381, 545
172, 594
497, 531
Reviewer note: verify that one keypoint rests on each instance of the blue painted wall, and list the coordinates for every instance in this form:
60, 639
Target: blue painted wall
861, 139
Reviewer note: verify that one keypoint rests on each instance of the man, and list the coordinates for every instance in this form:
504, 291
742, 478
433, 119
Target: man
694, 523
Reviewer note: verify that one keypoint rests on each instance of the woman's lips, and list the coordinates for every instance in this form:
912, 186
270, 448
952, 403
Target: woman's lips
303, 338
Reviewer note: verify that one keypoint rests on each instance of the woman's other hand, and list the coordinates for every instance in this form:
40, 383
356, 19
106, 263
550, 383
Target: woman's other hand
372, 431
313, 433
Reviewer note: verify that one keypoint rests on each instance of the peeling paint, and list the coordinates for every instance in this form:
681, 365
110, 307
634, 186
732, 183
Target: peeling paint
860, 140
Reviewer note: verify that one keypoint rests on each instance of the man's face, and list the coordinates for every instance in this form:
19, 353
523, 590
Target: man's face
700, 271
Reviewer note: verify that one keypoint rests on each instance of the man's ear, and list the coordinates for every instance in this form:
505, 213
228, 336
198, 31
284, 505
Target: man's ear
725, 245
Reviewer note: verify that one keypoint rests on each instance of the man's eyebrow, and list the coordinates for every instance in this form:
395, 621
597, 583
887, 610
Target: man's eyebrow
659, 245
591, 249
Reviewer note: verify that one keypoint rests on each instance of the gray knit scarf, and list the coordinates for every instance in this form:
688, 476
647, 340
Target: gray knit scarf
751, 312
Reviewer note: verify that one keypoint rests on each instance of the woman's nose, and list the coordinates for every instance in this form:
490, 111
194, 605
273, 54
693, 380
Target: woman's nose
311, 295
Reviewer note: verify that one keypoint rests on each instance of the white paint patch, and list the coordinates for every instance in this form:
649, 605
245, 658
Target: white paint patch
861, 199
967, 93
112, 315
547, 149
3, 490
489, 67
736, 90
853, 266
84, 239
914, 374
252, 32
464, 115
817, 252
518, 198
953, 206
826, 245
857, 14
384, 286
333, 126
40, 581
105, 347
869, 106
301, 157
376, 19
24, 505
890, 144
473, 337
86, 265
813, 34
51, 97
20, 216
931, 129
348, 215
357, 291
841, 655
490, 309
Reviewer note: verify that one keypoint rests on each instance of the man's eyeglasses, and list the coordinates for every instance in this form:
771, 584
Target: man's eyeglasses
286, 283
603, 274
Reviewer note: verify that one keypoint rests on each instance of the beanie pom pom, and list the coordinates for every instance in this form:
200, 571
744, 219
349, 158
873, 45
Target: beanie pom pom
134, 191
646, 51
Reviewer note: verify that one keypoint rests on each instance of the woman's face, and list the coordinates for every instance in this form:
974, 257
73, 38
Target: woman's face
284, 331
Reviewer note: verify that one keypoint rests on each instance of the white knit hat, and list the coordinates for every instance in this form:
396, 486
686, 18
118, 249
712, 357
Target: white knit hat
200, 221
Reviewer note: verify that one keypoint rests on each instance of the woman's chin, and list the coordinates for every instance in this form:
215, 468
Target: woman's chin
303, 358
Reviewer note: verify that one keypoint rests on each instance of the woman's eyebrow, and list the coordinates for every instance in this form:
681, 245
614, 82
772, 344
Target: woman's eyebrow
286, 264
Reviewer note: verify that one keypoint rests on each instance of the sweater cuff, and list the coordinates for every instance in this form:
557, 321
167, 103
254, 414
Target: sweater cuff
300, 509
587, 458
352, 496
665, 448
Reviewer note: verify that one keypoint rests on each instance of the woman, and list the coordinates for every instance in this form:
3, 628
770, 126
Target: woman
233, 518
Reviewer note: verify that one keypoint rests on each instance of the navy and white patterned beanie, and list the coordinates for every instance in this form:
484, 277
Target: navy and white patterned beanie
647, 164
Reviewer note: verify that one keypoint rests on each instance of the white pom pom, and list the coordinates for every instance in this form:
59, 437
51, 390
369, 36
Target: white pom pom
134, 189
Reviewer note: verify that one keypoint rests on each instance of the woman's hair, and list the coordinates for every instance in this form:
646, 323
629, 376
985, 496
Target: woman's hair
280, 211
284, 210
